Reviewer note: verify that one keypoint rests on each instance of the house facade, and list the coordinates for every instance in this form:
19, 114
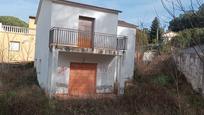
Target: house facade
17, 44
82, 49
168, 36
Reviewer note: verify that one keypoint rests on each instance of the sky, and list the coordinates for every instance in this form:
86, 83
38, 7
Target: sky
138, 12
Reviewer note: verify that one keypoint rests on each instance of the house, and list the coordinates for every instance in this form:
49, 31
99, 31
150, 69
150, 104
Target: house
168, 36
82, 49
17, 44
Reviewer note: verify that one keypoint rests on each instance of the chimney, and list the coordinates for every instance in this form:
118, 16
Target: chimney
32, 22
31, 25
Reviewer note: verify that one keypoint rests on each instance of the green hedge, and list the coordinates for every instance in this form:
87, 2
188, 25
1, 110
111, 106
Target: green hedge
189, 38
12, 21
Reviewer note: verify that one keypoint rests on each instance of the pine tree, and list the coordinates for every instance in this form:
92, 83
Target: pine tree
154, 29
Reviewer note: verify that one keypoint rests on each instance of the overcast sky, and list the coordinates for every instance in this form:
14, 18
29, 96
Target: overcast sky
133, 11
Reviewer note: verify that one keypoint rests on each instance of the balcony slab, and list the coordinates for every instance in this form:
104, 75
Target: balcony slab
90, 50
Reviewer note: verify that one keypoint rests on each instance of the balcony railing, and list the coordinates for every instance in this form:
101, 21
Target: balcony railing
83, 39
16, 29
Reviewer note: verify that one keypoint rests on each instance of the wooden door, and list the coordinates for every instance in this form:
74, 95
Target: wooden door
86, 26
82, 80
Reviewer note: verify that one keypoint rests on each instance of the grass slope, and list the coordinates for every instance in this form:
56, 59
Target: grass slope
149, 95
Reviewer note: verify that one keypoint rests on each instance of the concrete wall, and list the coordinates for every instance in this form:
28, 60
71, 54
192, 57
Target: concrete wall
126, 62
26, 47
104, 77
42, 44
191, 66
68, 17
109, 68
26, 42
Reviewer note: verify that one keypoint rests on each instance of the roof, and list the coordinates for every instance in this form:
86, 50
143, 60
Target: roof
169, 32
126, 24
32, 17
76, 4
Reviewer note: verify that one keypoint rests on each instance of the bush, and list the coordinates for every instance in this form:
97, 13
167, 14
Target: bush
19, 78
196, 101
189, 38
22, 95
163, 80
26, 101
150, 99
12, 21
166, 48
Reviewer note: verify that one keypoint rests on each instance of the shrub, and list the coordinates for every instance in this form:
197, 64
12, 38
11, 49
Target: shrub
196, 101
189, 37
163, 80
19, 77
165, 48
12, 21
149, 98
26, 101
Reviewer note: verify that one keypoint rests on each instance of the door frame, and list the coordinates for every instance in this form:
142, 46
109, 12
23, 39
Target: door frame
95, 82
93, 27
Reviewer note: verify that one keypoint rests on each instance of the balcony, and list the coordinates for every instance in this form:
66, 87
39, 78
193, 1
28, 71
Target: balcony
83, 41
16, 29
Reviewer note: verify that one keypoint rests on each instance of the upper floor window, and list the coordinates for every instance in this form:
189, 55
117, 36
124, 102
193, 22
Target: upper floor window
14, 46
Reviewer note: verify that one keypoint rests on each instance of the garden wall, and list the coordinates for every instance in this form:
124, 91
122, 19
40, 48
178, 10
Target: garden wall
191, 65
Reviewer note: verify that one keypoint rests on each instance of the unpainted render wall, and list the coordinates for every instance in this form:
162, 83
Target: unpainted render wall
42, 53
68, 17
104, 77
126, 61
53, 66
109, 68
189, 63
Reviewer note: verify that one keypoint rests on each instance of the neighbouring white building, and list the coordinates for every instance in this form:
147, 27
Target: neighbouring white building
83, 49
168, 36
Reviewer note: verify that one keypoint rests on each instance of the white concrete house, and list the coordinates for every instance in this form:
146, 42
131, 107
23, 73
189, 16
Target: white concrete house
168, 36
82, 49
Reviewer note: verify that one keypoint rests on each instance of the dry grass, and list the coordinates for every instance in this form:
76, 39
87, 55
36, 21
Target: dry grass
157, 66
163, 73
145, 97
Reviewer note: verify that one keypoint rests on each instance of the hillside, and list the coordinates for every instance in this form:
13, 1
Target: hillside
12, 21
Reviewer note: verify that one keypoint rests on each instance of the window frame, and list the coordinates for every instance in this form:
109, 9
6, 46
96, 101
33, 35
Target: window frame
19, 47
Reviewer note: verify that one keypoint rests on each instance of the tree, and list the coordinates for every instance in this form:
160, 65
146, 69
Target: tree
201, 10
12, 21
142, 38
188, 20
155, 31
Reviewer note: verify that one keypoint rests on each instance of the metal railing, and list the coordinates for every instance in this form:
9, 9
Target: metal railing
85, 39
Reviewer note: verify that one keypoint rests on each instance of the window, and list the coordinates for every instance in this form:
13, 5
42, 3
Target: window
14, 46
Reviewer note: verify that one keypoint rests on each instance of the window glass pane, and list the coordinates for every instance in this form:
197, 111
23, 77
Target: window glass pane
14, 46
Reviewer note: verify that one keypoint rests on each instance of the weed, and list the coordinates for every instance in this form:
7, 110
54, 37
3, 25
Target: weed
24, 97
196, 101
163, 80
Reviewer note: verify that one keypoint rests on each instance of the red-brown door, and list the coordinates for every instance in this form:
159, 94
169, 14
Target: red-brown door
85, 32
82, 80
